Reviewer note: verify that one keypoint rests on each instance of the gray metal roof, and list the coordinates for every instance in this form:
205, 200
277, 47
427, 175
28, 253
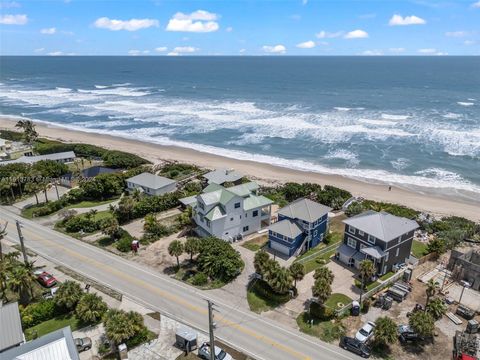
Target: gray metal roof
34, 159
286, 228
373, 251
304, 209
382, 225
57, 345
346, 250
221, 176
11, 333
150, 181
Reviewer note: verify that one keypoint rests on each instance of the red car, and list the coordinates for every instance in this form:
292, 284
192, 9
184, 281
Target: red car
46, 279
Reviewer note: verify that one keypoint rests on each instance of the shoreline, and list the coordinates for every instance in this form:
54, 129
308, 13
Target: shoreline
262, 172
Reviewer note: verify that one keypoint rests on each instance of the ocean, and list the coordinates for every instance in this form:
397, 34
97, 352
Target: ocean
407, 121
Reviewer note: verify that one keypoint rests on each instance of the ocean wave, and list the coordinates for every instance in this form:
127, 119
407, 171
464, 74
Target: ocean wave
395, 117
451, 115
400, 163
342, 108
377, 122
343, 154
116, 91
463, 103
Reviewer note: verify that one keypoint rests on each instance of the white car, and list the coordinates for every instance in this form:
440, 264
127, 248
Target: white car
204, 353
366, 332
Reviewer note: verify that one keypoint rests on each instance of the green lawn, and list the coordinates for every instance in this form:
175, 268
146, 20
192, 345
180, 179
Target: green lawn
52, 325
387, 276
256, 244
86, 204
328, 330
337, 299
99, 215
419, 249
261, 298
368, 287
316, 262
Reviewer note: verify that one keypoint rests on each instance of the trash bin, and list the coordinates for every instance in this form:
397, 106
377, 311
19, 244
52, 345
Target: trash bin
186, 338
355, 308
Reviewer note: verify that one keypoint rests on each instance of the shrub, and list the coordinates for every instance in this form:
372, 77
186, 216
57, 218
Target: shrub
122, 160
124, 244
199, 279
321, 312
81, 223
68, 295
35, 313
140, 337
394, 209
333, 196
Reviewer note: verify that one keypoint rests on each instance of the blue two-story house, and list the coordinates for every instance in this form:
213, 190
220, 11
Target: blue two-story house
301, 226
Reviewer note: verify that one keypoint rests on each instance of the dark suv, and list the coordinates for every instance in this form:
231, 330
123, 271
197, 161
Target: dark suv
355, 346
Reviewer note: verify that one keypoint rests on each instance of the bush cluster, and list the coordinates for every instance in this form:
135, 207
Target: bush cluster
35, 313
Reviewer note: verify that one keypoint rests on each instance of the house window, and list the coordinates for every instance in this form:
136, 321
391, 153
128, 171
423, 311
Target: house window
201, 206
231, 219
362, 246
208, 223
361, 233
371, 239
237, 205
352, 243
200, 215
351, 229
397, 252
245, 228
255, 213
386, 257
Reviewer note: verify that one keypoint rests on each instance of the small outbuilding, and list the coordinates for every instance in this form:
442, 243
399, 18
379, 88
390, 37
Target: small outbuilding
151, 184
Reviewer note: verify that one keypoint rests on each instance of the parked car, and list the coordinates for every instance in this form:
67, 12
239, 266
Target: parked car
204, 353
83, 344
407, 334
46, 279
465, 312
355, 346
366, 332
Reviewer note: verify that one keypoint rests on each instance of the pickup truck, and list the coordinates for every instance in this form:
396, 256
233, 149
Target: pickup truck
204, 353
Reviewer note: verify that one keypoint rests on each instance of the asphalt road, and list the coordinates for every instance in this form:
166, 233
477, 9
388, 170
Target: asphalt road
262, 339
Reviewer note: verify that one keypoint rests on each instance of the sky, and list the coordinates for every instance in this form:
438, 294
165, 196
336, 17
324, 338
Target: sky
229, 27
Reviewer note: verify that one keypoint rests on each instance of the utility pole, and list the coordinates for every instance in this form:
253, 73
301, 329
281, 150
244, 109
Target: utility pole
3, 232
210, 330
22, 245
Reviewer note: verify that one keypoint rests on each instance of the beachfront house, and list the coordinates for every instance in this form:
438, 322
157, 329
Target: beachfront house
301, 226
151, 184
62, 157
381, 237
11, 150
229, 213
68, 179
222, 176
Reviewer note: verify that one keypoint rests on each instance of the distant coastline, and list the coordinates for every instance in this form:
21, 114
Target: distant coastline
428, 200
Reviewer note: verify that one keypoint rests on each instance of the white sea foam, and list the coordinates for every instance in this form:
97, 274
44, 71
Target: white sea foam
118, 91
342, 108
395, 117
463, 103
343, 154
451, 115
377, 122
101, 86
400, 163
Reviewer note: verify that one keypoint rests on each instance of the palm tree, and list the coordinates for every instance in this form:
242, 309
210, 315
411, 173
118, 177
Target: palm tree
298, 272
68, 295
192, 247
281, 280
436, 307
321, 289
118, 326
270, 269
91, 214
21, 281
431, 290
324, 273
367, 270
422, 323
385, 331
91, 308
260, 260
176, 249
111, 227
29, 132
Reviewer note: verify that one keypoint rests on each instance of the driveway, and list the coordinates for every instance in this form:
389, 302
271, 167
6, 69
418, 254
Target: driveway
343, 281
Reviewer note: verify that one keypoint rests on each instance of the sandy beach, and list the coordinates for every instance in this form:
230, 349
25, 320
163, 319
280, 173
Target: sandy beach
434, 203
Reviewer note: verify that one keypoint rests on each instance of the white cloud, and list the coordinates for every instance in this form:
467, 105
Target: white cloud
397, 50
199, 21
13, 19
39, 50
138, 52
185, 49
476, 5
48, 31
398, 20
129, 25
60, 53
229, 29
457, 33
242, 51
356, 34
161, 49
9, 4
306, 45
328, 35
277, 49
469, 42
431, 51
372, 53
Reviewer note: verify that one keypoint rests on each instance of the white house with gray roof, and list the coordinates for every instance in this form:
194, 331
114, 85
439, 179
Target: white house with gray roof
222, 176
151, 184
61, 157
381, 237
301, 226
230, 213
